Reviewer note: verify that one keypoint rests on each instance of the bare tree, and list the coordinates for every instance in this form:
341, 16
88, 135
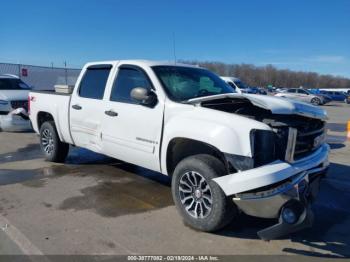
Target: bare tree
270, 75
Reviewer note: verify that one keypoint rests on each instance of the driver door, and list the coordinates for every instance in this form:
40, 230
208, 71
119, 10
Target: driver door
132, 132
303, 96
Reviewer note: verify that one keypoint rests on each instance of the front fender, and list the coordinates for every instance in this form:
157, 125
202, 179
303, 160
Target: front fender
227, 132
219, 136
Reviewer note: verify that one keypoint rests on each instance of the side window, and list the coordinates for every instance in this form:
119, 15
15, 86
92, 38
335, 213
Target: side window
231, 84
291, 90
94, 82
127, 79
300, 91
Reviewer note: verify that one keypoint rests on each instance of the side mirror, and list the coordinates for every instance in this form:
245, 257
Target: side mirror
143, 96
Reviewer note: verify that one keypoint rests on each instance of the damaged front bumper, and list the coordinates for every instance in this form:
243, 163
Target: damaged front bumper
279, 190
16, 120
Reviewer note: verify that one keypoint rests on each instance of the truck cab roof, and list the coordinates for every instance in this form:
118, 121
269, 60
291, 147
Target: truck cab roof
141, 62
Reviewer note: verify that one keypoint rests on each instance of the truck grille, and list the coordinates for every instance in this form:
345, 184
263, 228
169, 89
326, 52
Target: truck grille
310, 136
19, 103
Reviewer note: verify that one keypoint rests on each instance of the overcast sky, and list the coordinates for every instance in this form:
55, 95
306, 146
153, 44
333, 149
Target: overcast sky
297, 34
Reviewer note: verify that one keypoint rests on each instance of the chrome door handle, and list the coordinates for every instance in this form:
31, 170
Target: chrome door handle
111, 113
76, 107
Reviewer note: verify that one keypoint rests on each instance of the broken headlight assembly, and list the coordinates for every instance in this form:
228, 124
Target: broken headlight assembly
263, 144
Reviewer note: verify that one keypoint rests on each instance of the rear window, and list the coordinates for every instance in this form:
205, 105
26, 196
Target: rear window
13, 84
94, 82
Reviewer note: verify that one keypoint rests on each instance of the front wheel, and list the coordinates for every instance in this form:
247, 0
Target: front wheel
200, 201
51, 145
316, 101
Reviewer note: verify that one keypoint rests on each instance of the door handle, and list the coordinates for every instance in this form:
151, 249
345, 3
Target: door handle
111, 113
76, 107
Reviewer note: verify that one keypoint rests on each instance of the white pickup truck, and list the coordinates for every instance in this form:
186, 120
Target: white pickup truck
226, 152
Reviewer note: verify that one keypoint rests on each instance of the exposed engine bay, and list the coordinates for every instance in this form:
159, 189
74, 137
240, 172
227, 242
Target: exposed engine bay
270, 146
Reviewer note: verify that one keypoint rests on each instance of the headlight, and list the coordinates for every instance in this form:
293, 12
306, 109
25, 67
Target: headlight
263, 146
3, 102
240, 163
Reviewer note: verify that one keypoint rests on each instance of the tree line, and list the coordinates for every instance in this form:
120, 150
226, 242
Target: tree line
263, 76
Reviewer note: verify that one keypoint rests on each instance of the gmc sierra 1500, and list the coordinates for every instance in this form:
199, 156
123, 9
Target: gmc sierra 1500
226, 152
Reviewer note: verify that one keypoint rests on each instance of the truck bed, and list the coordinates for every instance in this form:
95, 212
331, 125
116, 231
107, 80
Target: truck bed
51, 92
54, 104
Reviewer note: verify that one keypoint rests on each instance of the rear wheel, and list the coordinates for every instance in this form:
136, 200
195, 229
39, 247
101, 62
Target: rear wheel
51, 145
316, 101
200, 201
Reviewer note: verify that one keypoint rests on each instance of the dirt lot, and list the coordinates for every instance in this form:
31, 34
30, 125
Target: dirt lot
97, 205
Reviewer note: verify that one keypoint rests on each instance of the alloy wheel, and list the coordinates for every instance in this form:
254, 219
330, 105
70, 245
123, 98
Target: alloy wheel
195, 194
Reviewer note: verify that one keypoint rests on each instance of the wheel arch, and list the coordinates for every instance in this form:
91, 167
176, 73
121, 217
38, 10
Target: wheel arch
179, 148
42, 117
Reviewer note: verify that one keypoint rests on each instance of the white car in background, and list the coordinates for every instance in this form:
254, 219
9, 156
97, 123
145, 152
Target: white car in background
236, 84
13, 104
302, 95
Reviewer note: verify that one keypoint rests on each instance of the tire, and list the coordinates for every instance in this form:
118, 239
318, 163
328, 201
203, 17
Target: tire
51, 145
316, 101
199, 167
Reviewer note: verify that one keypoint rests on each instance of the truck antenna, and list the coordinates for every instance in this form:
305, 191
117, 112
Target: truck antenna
174, 48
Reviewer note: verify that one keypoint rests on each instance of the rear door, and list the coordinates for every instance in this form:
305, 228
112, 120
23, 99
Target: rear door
87, 109
132, 132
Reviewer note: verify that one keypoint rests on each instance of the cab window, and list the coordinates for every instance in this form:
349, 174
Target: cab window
127, 79
94, 81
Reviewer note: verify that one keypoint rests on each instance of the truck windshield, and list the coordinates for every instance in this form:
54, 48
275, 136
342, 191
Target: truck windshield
12, 84
184, 83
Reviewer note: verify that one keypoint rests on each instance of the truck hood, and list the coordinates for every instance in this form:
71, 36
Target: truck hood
276, 105
11, 95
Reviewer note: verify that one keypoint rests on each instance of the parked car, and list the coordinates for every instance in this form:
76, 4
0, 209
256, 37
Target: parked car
13, 104
239, 86
257, 90
262, 91
302, 95
347, 100
317, 92
225, 152
336, 95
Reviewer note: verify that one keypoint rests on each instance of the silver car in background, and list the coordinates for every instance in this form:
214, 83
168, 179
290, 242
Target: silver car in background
302, 95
